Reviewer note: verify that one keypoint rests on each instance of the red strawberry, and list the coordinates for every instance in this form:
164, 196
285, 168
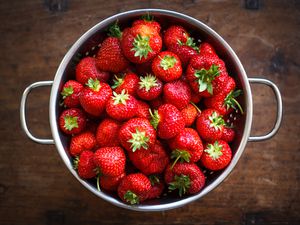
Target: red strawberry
121, 106
110, 161
206, 48
151, 161
177, 93
157, 187
85, 165
167, 66
137, 134
107, 133
210, 125
225, 103
195, 97
189, 114
179, 41
186, 177
144, 68
143, 110
141, 43
134, 188
128, 82
87, 69
149, 87
110, 57
205, 73
94, 96
228, 134
148, 20
81, 142
72, 121
186, 146
70, 93
111, 183
155, 103
168, 121
216, 155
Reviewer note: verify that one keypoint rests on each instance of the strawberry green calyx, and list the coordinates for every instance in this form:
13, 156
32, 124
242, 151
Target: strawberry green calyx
71, 122
182, 155
148, 82
114, 30
155, 118
189, 42
216, 121
231, 102
154, 180
94, 84
67, 91
75, 162
120, 98
139, 140
205, 77
147, 17
214, 150
141, 46
118, 81
131, 198
168, 62
182, 183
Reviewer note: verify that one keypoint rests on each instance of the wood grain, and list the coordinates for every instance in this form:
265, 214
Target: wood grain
35, 186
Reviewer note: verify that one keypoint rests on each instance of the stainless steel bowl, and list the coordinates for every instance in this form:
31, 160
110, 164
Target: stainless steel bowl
87, 45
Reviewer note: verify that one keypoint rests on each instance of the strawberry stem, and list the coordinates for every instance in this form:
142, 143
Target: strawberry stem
182, 183
75, 162
118, 81
148, 82
180, 154
114, 30
192, 103
70, 122
98, 183
138, 140
231, 102
131, 197
67, 91
216, 120
154, 180
147, 17
94, 84
120, 98
205, 78
168, 62
214, 150
154, 118
141, 46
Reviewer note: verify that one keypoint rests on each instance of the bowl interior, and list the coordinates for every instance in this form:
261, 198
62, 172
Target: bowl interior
88, 45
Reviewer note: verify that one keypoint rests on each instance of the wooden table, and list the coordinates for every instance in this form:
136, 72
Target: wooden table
35, 186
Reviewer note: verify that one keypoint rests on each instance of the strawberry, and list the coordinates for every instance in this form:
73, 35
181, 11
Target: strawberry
147, 20
186, 146
151, 161
206, 48
70, 93
110, 57
107, 133
205, 73
121, 106
110, 161
186, 177
143, 110
210, 125
167, 120
228, 134
178, 40
94, 96
167, 66
157, 187
84, 164
111, 183
195, 97
216, 156
155, 103
149, 87
128, 82
134, 188
137, 134
225, 103
141, 43
81, 142
144, 68
177, 93
72, 121
189, 114
87, 69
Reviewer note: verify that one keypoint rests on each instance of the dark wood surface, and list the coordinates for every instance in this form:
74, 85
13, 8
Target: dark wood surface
35, 186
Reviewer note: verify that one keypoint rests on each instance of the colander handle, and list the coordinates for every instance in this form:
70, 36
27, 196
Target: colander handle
279, 109
23, 115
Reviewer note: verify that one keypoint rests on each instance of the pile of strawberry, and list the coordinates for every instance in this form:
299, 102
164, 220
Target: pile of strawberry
147, 115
